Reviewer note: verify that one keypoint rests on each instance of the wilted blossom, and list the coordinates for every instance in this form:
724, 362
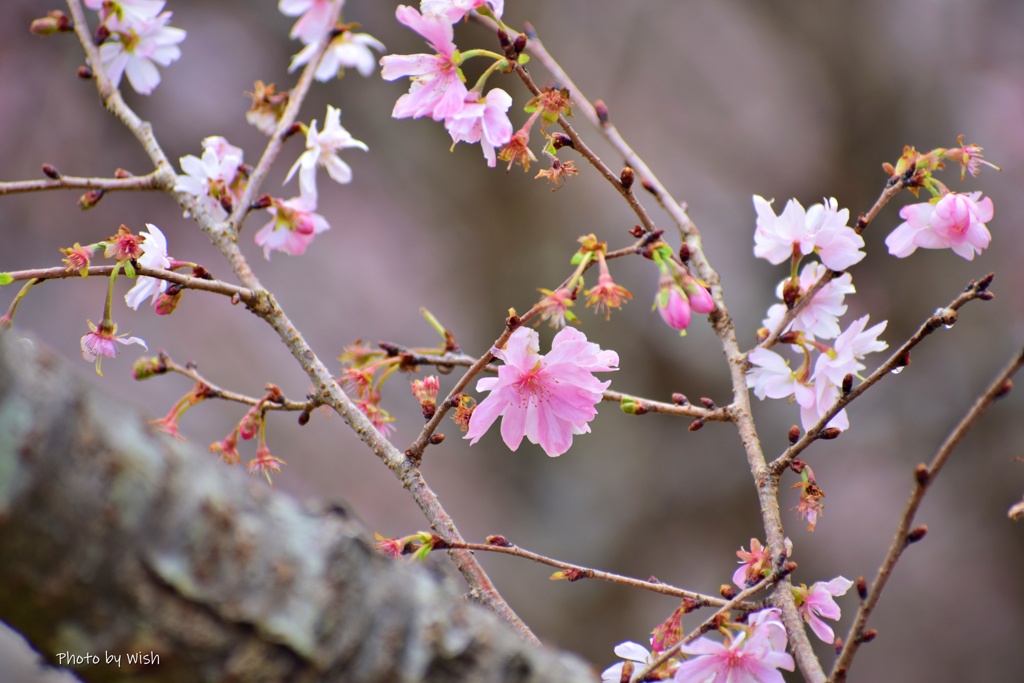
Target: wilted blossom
819, 318
797, 232
753, 654
347, 50
322, 150
752, 564
293, 227
135, 48
154, 255
818, 601
484, 120
437, 88
633, 653
956, 221
546, 398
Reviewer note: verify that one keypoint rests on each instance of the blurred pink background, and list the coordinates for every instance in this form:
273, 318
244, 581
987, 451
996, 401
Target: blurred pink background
724, 100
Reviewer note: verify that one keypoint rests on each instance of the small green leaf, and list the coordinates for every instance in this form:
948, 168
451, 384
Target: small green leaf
5, 279
129, 269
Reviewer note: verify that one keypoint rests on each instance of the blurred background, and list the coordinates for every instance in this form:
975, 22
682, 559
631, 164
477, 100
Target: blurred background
723, 99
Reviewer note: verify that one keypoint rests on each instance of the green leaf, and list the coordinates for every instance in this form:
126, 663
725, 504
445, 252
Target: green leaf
5, 279
129, 269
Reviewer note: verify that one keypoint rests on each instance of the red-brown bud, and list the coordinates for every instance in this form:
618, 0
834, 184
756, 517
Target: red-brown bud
696, 424
90, 199
303, 418
649, 186
85, 73
684, 252
727, 591
121, 174
519, 43
101, 35
560, 140
50, 171
680, 399
868, 635
862, 588
1005, 389
794, 434
707, 403
627, 177
847, 383
921, 474
601, 109
917, 534
838, 646
636, 231
830, 433
168, 299
498, 540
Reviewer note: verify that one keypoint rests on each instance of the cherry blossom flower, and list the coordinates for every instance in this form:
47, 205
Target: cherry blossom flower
154, 255
346, 51
555, 306
126, 12
956, 221
546, 398
484, 120
77, 258
136, 47
817, 601
607, 294
322, 150
820, 317
752, 564
797, 232
102, 341
770, 376
753, 655
437, 87
293, 227
632, 652
211, 179
455, 10
672, 304
849, 348
315, 20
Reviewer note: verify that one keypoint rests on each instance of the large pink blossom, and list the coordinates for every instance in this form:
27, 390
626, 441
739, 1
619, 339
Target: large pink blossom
798, 232
754, 655
546, 398
293, 227
957, 222
484, 120
437, 88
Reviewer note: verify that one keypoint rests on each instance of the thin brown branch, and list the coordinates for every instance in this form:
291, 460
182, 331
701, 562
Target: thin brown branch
150, 181
186, 281
577, 572
924, 476
937, 320
214, 391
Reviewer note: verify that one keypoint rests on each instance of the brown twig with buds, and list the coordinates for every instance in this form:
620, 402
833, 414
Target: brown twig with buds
924, 475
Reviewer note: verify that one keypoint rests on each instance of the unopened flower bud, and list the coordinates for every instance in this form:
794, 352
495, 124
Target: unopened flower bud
680, 399
50, 171
90, 199
168, 299
636, 231
264, 201
601, 109
707, 403
85, 73
148, 366
830, 433
921, 474
862, 588
847, 383
560, 140
121, 174
101, 35
696, 424
727, 591
917, 534
303, 418
1005, 389
762, 334
513, 321
498, 540
227, 202
630, 406
986, 296
435, 439
684, 252
791, 292
794, 434
649, 186
44, 26
868, 635
519, 43
627, 177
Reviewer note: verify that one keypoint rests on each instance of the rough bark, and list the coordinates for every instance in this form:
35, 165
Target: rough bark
115, 539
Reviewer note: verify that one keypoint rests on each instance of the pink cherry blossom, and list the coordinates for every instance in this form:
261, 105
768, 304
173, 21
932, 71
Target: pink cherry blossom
546, 398
771, 377
820, 317
484, 120
752, 564
137, 47
455, 10
957, 222
315, 20
154, 255
437, 88
821, 228
346, 51
817, 601
849, 348
103, 341
293, 227
322, 151
750, 656
629, 651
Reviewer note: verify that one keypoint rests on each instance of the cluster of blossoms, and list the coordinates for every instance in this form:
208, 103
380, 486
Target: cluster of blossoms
815, 386
546, 398
438, 88
346, 49
134, 38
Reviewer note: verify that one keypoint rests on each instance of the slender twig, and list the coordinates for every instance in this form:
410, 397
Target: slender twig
706, 625
898, 359
265, 306
150, 181
214, 391
186, 281
892, 188
577, 572
924, 476
767, 489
